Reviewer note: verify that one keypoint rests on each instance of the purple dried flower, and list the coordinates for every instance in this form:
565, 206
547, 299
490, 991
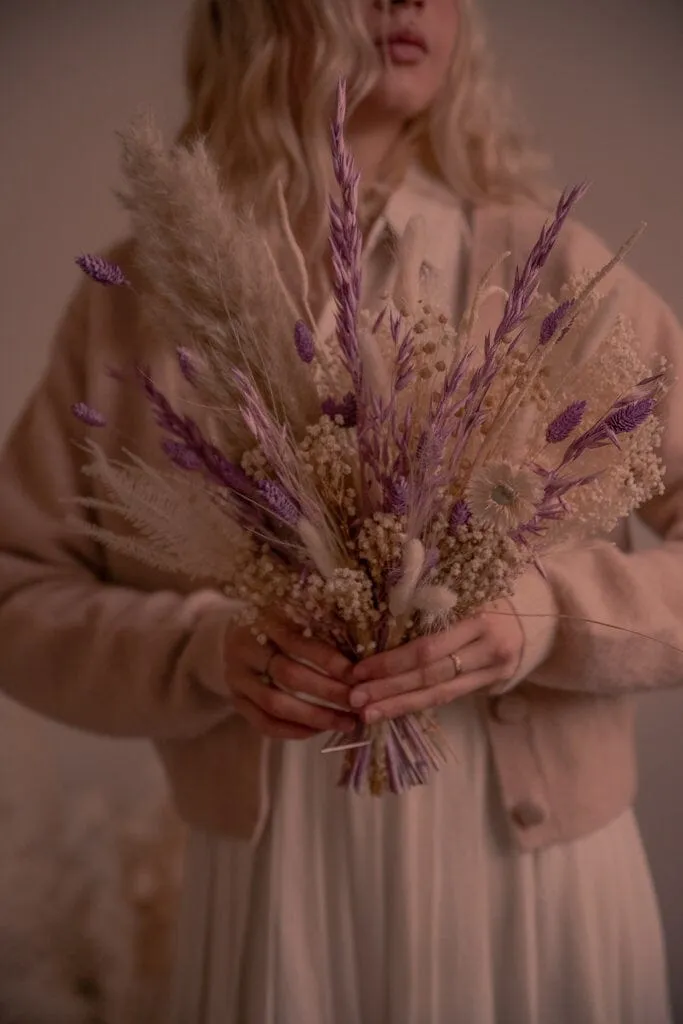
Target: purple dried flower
180, 455
184, 429
404, 379
86, 414
430, 448
629, 417
567, 421
187, 364
279, 502
397, 496
346, 242
346, 408
460, 515
526, 279
305, 344
101, 270
553, 321
625, 416
405, 362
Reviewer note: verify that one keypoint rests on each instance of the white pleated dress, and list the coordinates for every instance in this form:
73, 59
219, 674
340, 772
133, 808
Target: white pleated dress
416, 909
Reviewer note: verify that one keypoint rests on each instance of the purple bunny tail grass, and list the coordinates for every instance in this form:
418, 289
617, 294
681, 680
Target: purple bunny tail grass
625, 416
567, 421
279, 502
181, 455
629, 417
187, 365
526, 279
397, 496
346, 242
405, 361
304, 342
188, 433
460, 515
86, 414
551, 231
101, 270
553, 321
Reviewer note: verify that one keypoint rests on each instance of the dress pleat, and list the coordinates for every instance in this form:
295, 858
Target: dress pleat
416, 909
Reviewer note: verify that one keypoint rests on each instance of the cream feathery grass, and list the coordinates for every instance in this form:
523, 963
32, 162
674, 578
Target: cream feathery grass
184, 529
211, 284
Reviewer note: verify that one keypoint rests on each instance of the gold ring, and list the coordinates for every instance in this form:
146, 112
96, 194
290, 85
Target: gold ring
457, 665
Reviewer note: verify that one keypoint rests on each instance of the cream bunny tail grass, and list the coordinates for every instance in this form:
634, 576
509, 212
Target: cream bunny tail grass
209, 278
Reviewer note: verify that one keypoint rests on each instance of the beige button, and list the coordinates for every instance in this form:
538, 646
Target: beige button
527, 814
512, 709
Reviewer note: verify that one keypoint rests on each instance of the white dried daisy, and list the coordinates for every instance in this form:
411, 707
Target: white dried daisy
503, 495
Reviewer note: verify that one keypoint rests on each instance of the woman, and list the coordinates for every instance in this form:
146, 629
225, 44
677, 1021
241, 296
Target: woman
514, 887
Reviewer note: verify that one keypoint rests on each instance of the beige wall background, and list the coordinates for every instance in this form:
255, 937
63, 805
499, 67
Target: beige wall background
601, 82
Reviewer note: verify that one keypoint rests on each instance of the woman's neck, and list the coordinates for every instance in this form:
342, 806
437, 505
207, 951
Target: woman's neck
371, 143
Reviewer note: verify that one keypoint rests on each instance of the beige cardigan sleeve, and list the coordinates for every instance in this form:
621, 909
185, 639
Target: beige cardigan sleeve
74, 647
636, 591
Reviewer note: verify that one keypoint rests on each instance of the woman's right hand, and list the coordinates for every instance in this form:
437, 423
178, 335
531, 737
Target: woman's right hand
263, 681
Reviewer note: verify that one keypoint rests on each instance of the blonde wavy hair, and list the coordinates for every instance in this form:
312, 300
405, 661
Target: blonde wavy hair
261, 77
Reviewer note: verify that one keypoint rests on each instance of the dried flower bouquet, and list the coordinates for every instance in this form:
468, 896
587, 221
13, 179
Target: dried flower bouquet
380, 485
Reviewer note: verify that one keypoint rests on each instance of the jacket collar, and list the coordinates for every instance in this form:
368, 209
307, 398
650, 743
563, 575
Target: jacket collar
445, 218
447, 228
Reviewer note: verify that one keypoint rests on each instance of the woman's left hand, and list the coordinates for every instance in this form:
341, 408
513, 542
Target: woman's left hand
435, 670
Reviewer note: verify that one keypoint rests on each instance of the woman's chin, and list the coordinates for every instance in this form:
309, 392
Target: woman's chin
400, 99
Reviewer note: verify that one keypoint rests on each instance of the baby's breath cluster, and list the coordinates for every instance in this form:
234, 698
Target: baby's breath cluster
380, 544
625, 484
260, 579
342, 605
329, 454
255, 464
478, 563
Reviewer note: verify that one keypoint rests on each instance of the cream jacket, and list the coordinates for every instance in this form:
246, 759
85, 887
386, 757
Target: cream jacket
103, 644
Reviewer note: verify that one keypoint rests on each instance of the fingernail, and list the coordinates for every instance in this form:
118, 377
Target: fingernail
358, 699
372, 717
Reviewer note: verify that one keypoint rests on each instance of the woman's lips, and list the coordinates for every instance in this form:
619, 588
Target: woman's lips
403, 48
